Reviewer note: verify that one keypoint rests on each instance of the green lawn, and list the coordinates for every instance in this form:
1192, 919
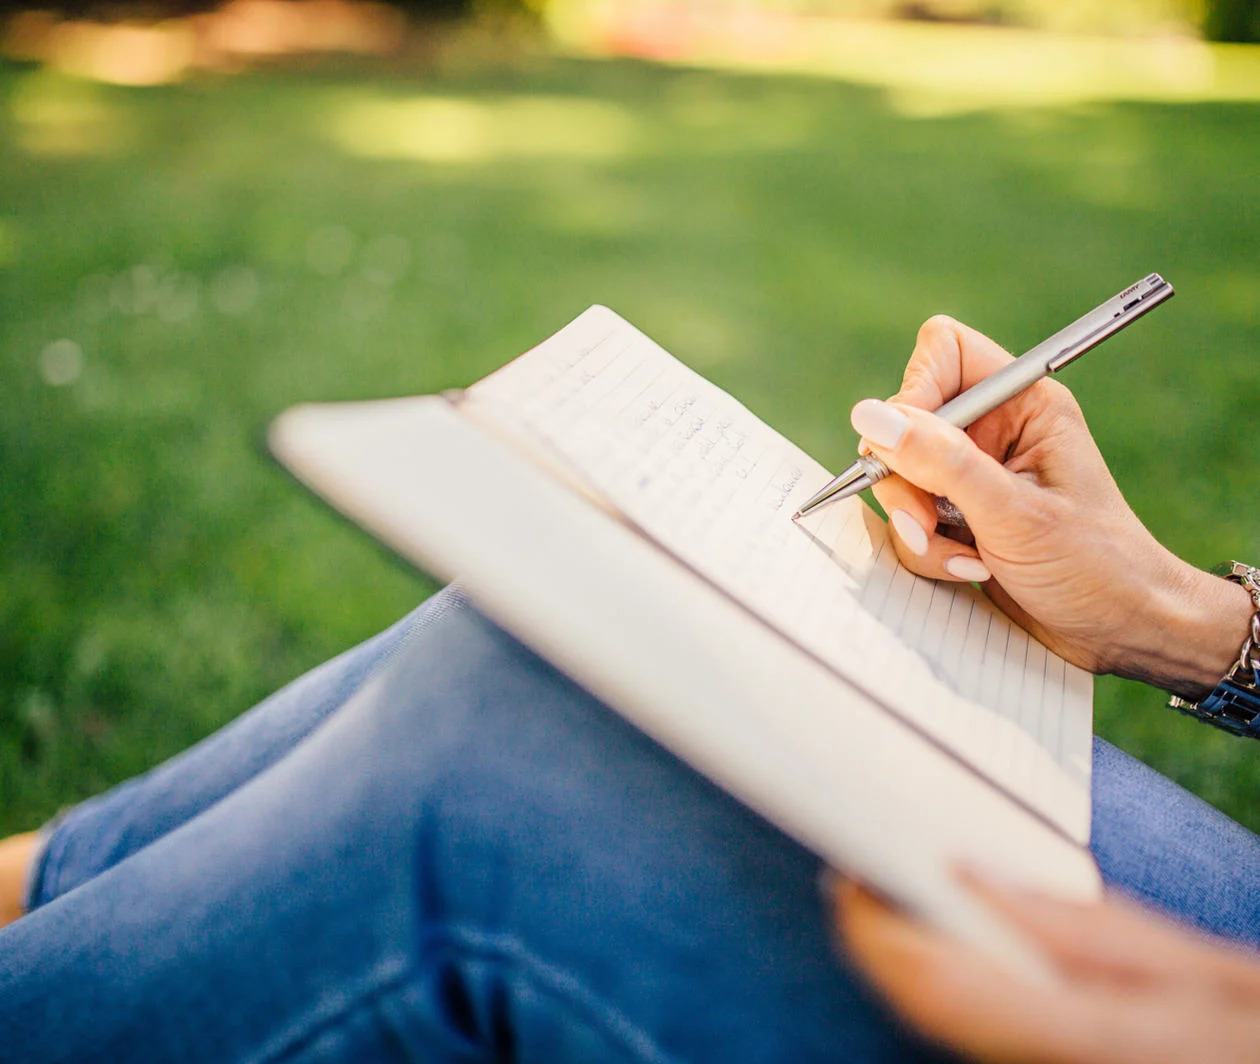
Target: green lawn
217, 250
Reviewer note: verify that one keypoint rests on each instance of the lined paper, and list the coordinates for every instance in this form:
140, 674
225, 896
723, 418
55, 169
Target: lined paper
698, 473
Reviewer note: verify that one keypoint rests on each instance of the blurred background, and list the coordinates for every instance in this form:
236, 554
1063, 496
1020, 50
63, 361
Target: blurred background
208, 213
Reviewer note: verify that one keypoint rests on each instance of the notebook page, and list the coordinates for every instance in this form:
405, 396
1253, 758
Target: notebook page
715, 486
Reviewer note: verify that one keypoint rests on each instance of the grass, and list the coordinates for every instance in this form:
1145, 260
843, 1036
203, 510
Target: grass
217, 250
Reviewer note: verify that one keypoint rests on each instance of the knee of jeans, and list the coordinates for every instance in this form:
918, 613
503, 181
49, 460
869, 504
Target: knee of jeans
460, 730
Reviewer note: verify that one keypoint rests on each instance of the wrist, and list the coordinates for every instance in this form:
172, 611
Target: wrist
1195, 625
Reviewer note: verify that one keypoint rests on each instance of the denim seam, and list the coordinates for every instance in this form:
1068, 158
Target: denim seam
297, 1043
546, 978
445, 600
556, 982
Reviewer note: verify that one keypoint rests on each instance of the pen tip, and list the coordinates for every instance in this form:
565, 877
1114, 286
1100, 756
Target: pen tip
796, 516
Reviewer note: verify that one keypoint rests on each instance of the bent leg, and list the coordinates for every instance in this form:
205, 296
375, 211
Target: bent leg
1165, 847
102, 831
471, 860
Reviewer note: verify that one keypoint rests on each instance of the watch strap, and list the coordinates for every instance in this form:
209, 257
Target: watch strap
1234, 704
1235, 708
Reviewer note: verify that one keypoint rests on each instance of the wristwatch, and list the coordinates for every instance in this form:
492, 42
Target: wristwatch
1234, 704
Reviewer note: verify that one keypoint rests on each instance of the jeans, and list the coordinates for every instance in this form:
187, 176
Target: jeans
437, 848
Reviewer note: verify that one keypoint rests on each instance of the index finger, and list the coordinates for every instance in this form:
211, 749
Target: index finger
949, 357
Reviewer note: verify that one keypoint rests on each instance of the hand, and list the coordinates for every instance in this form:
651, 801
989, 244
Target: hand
1055, 544
1129, 987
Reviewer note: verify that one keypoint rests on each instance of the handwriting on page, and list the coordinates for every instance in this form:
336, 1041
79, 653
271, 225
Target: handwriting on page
695, 470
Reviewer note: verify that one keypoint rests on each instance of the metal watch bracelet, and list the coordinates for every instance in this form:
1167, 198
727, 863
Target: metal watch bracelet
1234, 704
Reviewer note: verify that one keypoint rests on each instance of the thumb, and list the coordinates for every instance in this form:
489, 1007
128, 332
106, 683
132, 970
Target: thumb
936, 456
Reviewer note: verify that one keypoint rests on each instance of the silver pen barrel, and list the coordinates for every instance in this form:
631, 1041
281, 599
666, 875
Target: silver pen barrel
1047, 357
1053, 354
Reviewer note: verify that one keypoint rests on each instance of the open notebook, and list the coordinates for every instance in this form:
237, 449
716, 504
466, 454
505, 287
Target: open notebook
632, 522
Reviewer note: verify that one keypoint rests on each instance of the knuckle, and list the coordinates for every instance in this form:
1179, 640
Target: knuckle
936, 324
931, 374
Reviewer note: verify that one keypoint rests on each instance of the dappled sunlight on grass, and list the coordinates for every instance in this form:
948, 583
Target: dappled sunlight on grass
60, 116
576, 205
926, 69
1112, 165
479, 129
450, 129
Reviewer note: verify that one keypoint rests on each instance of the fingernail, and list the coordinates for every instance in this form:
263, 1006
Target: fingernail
911, 532
965, 568
880, 423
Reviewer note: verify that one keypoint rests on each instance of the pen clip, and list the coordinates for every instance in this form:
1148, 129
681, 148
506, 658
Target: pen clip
1113, 316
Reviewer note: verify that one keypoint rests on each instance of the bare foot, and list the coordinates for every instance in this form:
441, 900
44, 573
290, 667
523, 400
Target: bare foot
16, 853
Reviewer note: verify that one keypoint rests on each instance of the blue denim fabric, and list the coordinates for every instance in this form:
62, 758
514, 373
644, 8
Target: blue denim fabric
436, 848
127, 818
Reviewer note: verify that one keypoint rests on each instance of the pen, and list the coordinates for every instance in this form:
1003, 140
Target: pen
1049, 356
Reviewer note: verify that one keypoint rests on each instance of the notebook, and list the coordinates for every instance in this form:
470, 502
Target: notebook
631, 522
